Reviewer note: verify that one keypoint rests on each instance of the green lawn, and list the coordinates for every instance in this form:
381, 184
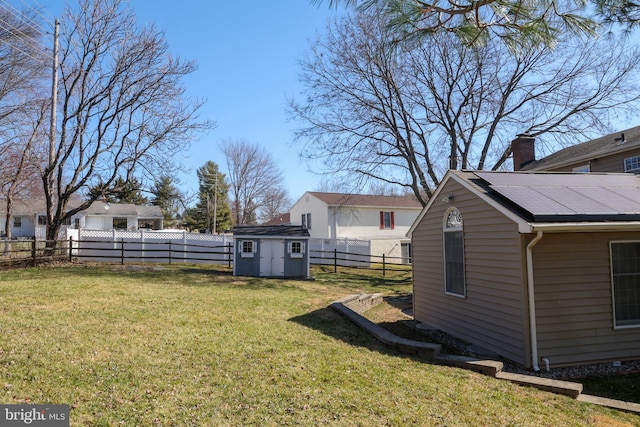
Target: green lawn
189, 345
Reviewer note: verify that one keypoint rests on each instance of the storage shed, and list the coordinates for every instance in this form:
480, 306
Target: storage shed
541, 268
271, 251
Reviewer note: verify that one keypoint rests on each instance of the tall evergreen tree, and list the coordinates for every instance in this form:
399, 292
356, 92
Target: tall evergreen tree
167, 195
212, 211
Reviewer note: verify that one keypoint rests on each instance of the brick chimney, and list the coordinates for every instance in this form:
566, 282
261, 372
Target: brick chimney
524, 150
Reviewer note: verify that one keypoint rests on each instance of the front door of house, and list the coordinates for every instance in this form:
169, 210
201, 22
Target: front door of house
272, 258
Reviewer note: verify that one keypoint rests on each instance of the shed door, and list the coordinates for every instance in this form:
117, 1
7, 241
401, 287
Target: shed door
272, 258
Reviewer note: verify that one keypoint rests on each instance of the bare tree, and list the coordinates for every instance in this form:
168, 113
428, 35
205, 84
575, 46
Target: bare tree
275, 201
252, 175
22, 107
122, 107
404, 117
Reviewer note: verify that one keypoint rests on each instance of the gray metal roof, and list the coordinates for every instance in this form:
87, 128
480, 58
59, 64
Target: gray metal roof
270, 231
569, 197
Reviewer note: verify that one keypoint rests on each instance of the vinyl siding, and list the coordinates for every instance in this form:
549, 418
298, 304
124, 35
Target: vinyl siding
493, 313
574, 307
611, 163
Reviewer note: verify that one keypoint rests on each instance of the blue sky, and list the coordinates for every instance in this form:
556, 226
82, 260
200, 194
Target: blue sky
246, 54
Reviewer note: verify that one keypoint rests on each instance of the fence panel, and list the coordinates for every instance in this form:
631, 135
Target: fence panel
152, 246
356, 253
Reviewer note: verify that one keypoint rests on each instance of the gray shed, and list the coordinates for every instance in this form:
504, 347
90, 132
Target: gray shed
271, 251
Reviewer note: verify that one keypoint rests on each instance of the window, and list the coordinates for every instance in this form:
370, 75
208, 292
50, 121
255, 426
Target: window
296, 249
17, 221
306, 221
454, 253
625, 274
42, 220
120, 223
582, 169
632, 164
76, 223
386, 221
405, 252
247, 248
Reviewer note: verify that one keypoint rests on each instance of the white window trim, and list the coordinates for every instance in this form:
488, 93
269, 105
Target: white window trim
613, 291
296, 254
244, 254
637, 159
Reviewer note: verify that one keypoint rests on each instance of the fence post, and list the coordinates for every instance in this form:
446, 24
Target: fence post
33, 252
230, 253
170, 256
335, 260
384, 266
70, 248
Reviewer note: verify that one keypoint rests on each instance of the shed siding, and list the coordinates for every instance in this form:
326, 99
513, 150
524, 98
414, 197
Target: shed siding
574, 307
495, 300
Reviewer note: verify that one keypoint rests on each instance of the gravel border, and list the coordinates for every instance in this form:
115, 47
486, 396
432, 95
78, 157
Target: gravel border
461, 348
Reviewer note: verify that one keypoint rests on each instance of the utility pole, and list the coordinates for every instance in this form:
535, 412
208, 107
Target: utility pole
215, 203
50, 170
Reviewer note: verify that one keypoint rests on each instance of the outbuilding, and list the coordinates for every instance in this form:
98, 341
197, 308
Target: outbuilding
540, 268
271, 251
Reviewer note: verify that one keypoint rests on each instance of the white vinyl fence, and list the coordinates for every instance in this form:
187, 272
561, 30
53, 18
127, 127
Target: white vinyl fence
344, 252
151, 246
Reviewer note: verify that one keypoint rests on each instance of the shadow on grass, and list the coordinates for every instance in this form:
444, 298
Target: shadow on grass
330, 323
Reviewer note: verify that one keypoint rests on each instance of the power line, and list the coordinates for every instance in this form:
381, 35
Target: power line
20, 16
25, 43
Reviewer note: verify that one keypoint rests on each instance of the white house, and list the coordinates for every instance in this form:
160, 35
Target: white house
383, 220
28, 218
119, 216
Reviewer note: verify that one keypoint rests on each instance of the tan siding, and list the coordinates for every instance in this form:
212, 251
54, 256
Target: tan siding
493, 313
574, 306
611, 163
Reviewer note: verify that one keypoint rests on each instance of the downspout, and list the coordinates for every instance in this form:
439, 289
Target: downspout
532, 302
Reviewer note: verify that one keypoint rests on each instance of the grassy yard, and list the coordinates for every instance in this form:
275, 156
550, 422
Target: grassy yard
195, 346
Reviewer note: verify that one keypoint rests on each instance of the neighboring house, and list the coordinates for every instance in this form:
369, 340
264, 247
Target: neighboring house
271, 251
383, 220
119, 216
618, 152
25, 216
537, 267
28, 218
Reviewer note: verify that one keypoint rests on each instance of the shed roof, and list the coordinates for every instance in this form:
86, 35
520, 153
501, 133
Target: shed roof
270, 231
596, 148
344, 199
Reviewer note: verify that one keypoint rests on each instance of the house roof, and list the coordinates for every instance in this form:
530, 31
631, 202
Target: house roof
146, 211
568, 197
553, 201
344, 199
111, 209
596, 148
23, 207
285, 218
124, 209
270, 231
